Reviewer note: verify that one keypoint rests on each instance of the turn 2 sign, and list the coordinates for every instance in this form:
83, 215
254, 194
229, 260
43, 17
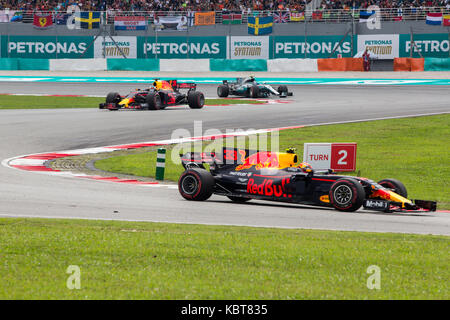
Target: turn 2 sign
336, 156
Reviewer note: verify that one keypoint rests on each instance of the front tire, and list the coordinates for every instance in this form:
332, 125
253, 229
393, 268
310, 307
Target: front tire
113, 97
395, 185
223, 91
282, 89
196, 100
347, 195
196, 184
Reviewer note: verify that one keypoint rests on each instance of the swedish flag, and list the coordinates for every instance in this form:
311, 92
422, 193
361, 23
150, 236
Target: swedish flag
258, 26
89, 20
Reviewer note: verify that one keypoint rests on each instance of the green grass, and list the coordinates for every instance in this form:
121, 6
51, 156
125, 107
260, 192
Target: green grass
413, 150
43, 102
126, 260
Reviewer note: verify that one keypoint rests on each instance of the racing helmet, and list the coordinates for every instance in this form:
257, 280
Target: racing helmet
157, 84
306, 167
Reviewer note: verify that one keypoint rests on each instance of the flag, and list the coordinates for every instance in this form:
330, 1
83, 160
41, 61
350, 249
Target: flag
61, 18
89, 20
18, 16
297, 16
280, 17
42, 20
317, 15
205, 18
130, 23
365, 16
446, 20
399, 18
434, 19
259, 26
171, 23
232, 18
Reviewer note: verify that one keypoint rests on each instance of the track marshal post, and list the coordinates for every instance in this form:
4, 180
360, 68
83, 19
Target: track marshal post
160, 164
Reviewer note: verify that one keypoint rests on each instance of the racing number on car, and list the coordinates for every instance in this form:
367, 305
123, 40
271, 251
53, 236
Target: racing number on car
343, 156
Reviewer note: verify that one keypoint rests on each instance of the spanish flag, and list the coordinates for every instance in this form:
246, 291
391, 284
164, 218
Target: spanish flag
446, 20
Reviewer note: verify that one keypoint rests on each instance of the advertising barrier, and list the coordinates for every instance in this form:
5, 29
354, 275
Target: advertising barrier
124, 47
435, 45
315, 47
182, 47
47, 47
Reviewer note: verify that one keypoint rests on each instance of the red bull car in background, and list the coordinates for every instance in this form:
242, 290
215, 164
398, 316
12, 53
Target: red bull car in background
160, 95
242, 175
250, 88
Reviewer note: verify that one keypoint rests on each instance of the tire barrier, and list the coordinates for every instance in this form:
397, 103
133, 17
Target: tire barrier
184, 65
292, 65
206, 65
408, 64
78, 64
340, 64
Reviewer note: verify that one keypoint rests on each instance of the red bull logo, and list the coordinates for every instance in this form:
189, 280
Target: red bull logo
262, 159
269, 187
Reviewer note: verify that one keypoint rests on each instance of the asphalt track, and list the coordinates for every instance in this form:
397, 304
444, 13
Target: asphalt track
36, 195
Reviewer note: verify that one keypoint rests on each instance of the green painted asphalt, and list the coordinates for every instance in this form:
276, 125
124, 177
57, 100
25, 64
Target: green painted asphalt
311, 81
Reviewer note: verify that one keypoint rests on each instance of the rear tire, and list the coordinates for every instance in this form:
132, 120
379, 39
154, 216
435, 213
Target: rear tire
239, 199
253, 92
196, 184
196, 100
154, 101
223, 91
396, 186
347, 194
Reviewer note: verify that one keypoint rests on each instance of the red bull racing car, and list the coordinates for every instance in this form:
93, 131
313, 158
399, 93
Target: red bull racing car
160, 95
242, 175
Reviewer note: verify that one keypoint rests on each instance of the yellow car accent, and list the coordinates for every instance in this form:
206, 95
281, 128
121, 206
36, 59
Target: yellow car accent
325, 198
124, 102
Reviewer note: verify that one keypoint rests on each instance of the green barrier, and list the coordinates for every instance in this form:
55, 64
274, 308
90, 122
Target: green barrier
437, 64
33, 64
133, 64
238, 65
9, 64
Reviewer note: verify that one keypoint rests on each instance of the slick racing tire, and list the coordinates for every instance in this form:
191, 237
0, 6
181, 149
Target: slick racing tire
394, 185
282, 89
223, 91
253, 92
113, 97
347, 195
239, 199
196, 184
153, 100
196, 100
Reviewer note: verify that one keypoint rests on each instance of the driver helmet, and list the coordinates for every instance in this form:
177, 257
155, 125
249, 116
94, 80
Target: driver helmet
251, 78
157, 84
306, 167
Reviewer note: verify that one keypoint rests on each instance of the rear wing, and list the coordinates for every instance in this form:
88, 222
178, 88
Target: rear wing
182, 85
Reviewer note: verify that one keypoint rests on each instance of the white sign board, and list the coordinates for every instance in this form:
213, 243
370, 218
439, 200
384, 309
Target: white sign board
248, 48
336, 156
111, 50
384, 46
